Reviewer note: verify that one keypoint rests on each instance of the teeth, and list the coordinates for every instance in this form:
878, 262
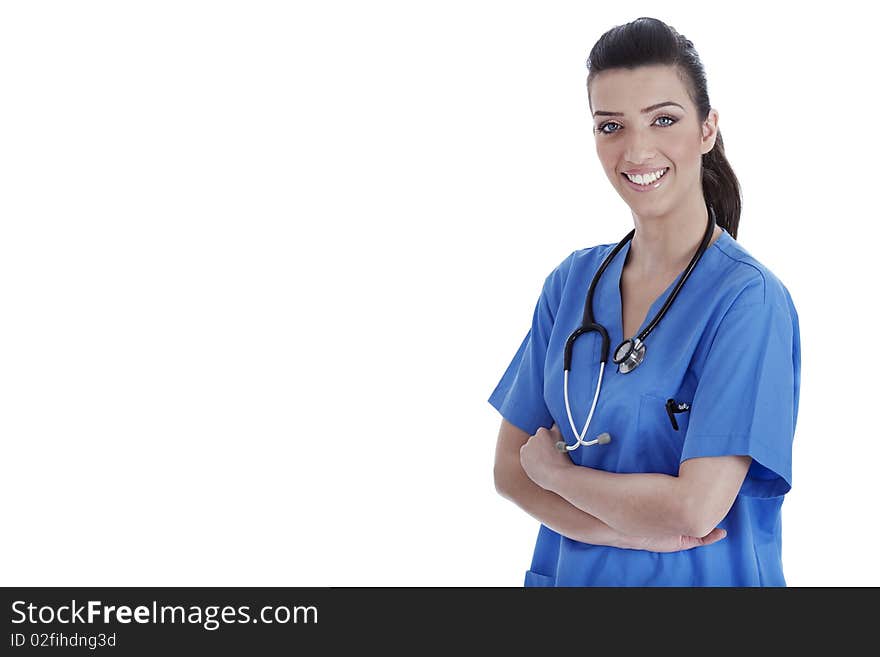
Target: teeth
648, 178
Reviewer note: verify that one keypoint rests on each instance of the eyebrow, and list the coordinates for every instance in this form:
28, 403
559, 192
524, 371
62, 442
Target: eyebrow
650, 108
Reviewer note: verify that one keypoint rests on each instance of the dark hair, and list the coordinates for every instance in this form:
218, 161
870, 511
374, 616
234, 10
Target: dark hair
647, 41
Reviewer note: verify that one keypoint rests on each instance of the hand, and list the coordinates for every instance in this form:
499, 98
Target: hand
673, 543
539, 457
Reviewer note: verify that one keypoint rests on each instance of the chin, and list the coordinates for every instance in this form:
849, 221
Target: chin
650, 210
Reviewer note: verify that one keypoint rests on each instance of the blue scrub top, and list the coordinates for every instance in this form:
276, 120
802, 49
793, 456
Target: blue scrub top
730, 347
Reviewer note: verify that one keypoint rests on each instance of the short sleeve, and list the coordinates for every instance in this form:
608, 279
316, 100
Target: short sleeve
746, 400
519, 395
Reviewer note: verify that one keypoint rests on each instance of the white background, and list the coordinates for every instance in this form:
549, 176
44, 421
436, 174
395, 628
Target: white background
262, 264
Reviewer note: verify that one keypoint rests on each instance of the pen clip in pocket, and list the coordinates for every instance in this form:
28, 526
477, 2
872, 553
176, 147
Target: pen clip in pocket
673, 407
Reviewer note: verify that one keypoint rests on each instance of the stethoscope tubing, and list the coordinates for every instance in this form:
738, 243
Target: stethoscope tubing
589, 324
580, 436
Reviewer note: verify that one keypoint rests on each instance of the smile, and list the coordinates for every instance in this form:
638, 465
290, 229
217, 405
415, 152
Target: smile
645, 182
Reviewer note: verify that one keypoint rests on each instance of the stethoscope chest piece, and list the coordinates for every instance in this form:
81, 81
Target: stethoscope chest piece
629, 355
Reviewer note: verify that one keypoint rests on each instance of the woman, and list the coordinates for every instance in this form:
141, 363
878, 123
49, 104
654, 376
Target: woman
689, 489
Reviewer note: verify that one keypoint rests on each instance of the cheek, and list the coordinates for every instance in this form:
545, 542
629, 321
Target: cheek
609, 158
684, 158
683, 154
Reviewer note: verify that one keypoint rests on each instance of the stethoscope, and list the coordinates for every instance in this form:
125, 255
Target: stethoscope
629, 353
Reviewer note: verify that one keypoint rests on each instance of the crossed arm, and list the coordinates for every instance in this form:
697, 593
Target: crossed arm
607, 508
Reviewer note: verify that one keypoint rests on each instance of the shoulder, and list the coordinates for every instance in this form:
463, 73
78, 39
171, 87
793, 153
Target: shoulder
580, 260
576, 265
747, 282
750, 314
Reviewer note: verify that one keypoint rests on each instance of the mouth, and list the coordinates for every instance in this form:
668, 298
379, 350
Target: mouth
646, 186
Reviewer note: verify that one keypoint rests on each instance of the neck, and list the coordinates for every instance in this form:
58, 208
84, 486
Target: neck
663, 244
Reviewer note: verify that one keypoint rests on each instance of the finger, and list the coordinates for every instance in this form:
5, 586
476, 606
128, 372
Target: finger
714, 536
690, 542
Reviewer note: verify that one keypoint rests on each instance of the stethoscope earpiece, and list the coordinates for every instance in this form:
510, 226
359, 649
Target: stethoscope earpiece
601, 439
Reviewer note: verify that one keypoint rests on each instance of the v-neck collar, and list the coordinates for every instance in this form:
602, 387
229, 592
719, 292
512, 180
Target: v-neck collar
614, 293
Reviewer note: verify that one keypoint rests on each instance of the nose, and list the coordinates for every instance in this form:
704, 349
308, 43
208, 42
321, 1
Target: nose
638, 147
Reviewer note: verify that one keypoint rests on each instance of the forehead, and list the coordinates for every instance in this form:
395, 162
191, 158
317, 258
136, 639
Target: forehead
628, 91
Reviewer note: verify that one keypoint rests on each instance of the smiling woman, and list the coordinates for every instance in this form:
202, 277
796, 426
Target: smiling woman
678, 475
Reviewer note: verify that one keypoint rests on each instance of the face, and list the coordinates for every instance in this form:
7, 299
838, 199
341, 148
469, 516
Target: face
669, 139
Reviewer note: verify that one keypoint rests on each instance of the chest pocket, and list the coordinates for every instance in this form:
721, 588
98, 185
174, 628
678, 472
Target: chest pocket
659, 442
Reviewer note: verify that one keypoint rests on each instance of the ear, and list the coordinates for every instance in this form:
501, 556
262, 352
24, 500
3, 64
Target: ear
710, 132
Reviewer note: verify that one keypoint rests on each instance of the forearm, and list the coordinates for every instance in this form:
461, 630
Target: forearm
638, 504
553, 511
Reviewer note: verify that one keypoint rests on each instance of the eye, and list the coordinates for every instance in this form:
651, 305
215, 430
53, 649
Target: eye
601, 128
